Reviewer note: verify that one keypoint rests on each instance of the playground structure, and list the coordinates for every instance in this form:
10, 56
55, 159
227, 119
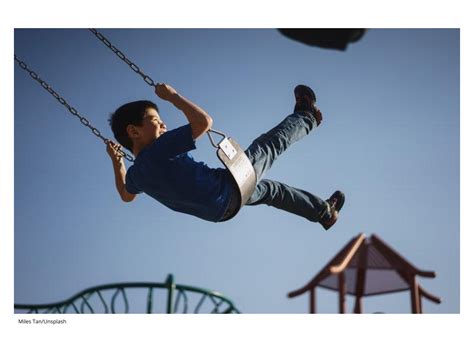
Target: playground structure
368, 267
363, 267
116, 298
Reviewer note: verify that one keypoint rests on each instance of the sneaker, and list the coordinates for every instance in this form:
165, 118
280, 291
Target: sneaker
306, 101
335, 202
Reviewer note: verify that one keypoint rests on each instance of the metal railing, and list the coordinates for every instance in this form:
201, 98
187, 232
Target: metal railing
137, 297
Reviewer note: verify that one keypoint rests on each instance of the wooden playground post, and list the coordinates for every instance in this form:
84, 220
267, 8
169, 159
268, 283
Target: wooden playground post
312, 300
342, 292
415, 295
360, 281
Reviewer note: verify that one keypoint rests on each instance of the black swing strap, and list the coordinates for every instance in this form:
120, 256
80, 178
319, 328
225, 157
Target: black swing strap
238, 164
71, 109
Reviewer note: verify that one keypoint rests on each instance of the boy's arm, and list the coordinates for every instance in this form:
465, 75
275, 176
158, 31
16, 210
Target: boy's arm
119, 172
199, 120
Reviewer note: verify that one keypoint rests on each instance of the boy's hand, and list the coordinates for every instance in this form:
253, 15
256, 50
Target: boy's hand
165, 91
119, 171
319, 117
113, 151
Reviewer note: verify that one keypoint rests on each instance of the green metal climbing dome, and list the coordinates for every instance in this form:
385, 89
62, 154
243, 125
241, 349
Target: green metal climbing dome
138, 297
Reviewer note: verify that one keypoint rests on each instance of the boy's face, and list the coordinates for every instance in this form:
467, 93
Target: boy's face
152, 126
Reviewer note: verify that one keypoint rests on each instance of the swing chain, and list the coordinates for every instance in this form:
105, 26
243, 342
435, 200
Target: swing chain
71, 109
122, 56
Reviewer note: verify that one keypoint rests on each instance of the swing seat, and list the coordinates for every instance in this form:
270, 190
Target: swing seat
238, 164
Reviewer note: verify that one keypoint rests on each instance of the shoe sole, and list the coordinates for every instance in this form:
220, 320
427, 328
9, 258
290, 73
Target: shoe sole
301, 90
340, 202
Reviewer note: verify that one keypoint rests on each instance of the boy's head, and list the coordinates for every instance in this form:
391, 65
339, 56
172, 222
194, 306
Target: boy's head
136, 124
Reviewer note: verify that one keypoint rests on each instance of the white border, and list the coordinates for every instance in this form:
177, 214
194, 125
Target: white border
245, 333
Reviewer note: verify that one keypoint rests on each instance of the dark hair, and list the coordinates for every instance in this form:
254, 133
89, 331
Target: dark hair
131, 113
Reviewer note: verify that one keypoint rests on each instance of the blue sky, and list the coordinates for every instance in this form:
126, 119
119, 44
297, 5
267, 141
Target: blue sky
389, 140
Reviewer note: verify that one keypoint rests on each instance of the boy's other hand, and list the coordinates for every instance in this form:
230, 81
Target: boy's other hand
319, 117
113, 149
165, 91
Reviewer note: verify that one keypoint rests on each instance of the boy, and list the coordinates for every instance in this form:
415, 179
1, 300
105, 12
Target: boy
164, 170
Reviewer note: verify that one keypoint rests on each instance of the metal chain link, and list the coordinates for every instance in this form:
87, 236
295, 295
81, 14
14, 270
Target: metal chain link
122, 56
71, 109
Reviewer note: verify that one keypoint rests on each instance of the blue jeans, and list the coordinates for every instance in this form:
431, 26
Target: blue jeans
264, 151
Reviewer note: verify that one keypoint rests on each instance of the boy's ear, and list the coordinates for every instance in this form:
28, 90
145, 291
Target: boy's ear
132, 131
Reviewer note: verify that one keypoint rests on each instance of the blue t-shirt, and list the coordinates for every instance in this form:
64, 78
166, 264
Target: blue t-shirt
167, 172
